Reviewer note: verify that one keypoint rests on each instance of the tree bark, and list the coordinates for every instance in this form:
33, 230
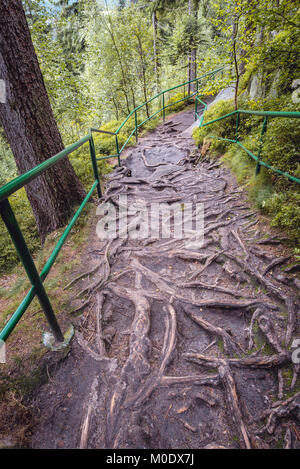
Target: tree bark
143, 70
110, 29
29, 123
156, 59
190, 6
235, 27
192, 57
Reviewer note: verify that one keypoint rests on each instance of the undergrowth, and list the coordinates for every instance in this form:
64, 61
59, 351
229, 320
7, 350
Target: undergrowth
105, 145
274, 195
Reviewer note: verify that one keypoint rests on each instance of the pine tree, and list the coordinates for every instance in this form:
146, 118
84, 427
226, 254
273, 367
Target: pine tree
29, 123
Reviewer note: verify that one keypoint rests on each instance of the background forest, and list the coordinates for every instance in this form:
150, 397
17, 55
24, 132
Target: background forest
100, 59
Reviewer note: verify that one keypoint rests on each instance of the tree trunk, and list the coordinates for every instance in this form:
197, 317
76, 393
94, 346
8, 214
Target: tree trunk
156, 59
110, 29
235, 27
189, 53
29, 123
192, 66
143, 69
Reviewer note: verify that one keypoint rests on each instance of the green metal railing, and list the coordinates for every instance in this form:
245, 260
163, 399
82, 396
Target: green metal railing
8, 217
238, 113
161, 109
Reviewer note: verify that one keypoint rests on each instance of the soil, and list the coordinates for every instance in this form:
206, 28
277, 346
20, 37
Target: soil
178, 344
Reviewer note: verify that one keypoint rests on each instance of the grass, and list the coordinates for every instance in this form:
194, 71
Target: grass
25, 369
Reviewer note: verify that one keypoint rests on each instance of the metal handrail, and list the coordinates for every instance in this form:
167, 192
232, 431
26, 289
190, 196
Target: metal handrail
15, 232
238, 112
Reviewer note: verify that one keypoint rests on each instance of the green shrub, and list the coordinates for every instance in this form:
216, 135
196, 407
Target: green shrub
285, 211
24, 215
242, 165
178, 106
81, 162
105, 144
282, 143
223, 128
273, 194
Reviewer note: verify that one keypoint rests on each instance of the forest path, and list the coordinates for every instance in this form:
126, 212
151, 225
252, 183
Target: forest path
182, 345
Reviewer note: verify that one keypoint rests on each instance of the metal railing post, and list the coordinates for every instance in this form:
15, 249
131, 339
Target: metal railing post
14, 230
118, 150
94, 164
263, 131
163, 105
196, 107
136, 127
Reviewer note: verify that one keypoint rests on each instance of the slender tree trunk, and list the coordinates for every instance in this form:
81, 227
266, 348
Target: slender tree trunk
29, 123
193, 68
143, 67
156, 59
190, 7
192, 58
110, 29
235, 59
194, 50
116, 108
133, 97
244, 53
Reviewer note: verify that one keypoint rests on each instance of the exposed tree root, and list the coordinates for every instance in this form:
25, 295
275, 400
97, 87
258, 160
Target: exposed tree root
291, 319
137, 366
280, 410
229, 343
100, 342
267, 328
90, 405
233, 403
81, 276
211, 380
168, 347
169, 318
249, 362
164, 287
208, 262
205, 286
275, 263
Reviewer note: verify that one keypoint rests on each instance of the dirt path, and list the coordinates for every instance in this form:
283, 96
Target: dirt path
180, 346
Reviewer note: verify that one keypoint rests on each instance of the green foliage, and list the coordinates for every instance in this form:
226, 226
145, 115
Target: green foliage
188, 33
282, 143
106, 144
284, 207
242, 165
97, 60
223, 128
177, 106
7, 163
81, 162
271, 193
24, 215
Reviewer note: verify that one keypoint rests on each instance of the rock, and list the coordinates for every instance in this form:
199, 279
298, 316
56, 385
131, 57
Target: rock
257, 87
275, 85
